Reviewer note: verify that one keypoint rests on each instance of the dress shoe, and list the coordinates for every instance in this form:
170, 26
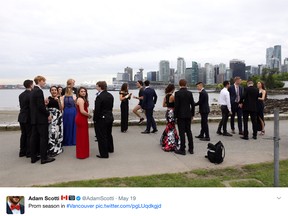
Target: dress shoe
99, 156
154, 131
227, 134
254, 137
241, 133
47, 160
191, 151
22, 154
199, 137
145, 132
219, 132
180, 152
245, 138
205, 139
34, 160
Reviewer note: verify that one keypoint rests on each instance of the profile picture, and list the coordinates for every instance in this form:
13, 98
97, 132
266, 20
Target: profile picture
15, 205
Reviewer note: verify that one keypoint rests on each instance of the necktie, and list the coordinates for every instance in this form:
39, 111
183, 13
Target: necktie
15, 207
238, 96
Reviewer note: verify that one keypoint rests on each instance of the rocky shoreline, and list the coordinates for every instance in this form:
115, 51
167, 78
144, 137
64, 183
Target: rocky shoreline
8, 117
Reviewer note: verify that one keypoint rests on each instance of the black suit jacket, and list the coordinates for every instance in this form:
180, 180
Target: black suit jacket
8, 210
249, 99
184, 104
24, 101
103, 107
39, 113
232, 91
203, 102
149, 98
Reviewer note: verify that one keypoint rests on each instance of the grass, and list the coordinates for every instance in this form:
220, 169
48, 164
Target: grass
256, 175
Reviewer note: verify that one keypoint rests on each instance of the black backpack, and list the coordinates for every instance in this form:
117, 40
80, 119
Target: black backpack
215, 153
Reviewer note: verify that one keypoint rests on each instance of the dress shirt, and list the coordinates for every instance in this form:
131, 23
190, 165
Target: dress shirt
224, 98
14, 211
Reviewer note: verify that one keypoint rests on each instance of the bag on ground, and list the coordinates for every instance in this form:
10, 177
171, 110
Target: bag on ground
215, 153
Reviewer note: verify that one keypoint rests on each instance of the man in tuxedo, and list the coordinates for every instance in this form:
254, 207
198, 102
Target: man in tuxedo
249, 105
103, 118
148, 104
40, 118
204, 111
24, 119
236, 92
13, 205
184, 113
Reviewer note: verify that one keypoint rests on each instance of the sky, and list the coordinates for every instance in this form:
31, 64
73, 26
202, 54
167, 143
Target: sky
92, 40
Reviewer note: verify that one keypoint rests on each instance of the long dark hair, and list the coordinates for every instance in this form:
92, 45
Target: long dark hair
85, 98
169, 88
124, 88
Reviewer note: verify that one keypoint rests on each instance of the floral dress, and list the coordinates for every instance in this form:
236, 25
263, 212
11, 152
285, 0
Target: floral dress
170, 140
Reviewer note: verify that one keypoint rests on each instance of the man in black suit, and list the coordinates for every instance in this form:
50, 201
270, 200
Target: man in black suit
236, 92
24, 119
74, 89
249, 105
13, 205
204, 111
184, 112
103, 118
148, 104
40, 118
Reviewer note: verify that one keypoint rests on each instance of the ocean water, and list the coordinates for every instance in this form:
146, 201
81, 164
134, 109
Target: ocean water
9, 98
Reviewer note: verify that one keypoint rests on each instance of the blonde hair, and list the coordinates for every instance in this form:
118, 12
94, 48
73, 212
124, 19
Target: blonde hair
69, 87
37, 79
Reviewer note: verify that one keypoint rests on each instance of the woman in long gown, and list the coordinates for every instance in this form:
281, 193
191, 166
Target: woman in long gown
56, 125
69, 113
82, 134
124, 106
169, 140
260, 107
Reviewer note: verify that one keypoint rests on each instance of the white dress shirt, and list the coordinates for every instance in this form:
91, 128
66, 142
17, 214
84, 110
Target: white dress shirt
224, 98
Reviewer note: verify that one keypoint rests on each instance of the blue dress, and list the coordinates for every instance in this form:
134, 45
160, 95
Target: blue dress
69, 126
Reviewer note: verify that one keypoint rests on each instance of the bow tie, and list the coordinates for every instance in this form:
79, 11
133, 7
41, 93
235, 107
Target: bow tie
15, 207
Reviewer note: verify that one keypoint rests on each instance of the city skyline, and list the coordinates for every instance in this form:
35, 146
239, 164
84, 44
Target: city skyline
90, 40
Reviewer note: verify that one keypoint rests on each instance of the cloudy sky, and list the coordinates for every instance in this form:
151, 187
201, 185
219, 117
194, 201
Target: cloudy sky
91, 40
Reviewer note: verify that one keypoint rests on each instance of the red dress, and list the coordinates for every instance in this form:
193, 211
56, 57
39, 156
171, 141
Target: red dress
82, 134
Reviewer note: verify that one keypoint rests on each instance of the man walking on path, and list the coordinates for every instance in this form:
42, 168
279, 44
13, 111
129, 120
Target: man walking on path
184, 113
149, 101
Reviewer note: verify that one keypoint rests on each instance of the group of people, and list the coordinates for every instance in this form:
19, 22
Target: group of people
62, 119
235, 100
48, 124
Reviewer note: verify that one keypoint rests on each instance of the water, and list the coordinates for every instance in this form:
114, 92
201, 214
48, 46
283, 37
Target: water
9, 98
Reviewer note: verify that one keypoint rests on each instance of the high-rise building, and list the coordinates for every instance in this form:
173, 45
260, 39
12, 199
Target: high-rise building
195, 73
286, 61
202, 75
277, 54
269, 56
188, 75
222, 68
238, 68
152, 76
209, 74
164, 71
139, 75
130, 72
181, 66
122, 77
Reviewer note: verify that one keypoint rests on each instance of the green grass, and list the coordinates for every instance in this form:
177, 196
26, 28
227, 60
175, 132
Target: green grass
257, 175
